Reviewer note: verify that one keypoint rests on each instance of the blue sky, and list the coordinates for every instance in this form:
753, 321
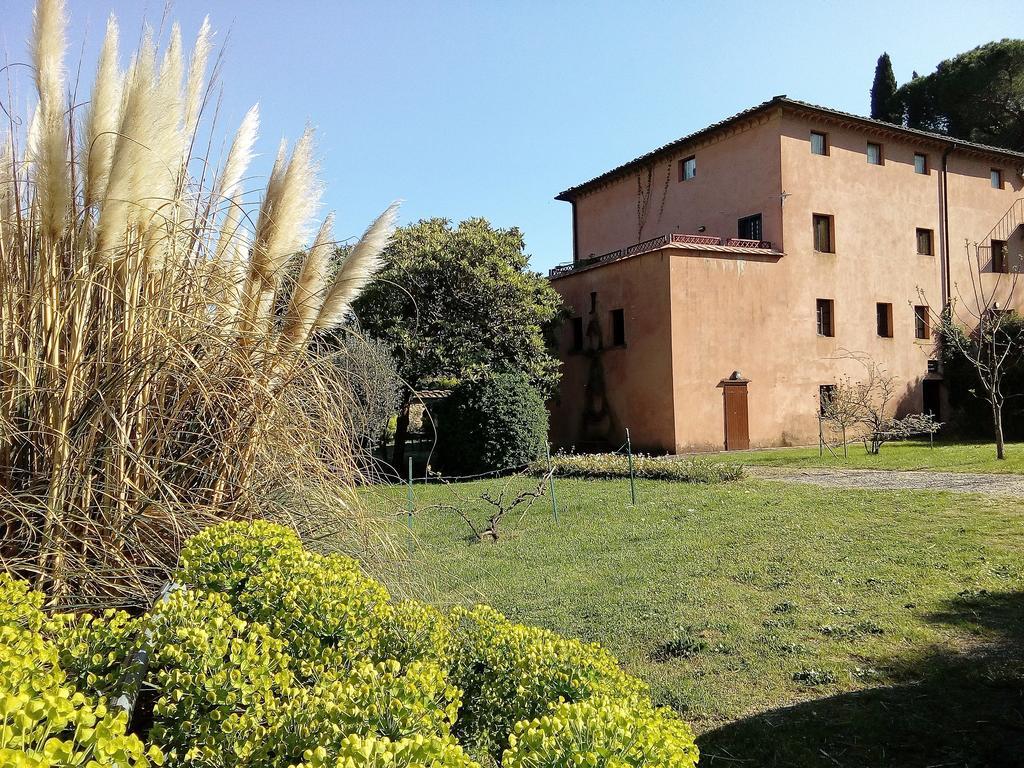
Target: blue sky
490, 109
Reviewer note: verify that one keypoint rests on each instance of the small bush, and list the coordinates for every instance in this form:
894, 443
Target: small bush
269, 655
44, 721
491, 424
601, 732
614, 465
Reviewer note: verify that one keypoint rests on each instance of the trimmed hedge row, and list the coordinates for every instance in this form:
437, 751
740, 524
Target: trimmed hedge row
614, 465
271, 655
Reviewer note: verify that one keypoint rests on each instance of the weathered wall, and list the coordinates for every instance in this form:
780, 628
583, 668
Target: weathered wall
737, 175
637, 377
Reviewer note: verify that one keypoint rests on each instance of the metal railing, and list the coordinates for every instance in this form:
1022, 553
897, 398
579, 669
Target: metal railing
654, 244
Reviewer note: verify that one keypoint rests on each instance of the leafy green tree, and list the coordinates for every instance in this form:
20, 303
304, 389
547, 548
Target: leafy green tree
976, 96
458, 303
884, 105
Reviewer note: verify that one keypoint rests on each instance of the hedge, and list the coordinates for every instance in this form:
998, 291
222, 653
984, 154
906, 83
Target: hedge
615, 465
270, 655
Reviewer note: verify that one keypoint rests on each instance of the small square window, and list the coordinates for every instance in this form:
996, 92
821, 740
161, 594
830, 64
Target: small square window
874, 153
823, 233
577, 334
826, 393
996, 177
826, 320
883, 313
925, 239
687, 168
819, 143
922, 325
618, 328
920, 163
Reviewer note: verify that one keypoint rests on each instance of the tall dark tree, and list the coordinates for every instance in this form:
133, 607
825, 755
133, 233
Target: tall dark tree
976, 96
458, 303
884, 104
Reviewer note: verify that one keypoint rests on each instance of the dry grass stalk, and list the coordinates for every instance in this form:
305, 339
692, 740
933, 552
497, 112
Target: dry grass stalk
156, 370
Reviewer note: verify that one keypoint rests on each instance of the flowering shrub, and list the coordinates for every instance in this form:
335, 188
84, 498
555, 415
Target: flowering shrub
601, 732
268, 655
611, 465
44, 721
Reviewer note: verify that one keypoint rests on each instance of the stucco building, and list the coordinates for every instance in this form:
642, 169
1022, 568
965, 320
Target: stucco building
718, 282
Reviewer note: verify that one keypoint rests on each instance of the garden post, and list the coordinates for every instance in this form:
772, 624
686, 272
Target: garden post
632, 482
409, 510
551, 480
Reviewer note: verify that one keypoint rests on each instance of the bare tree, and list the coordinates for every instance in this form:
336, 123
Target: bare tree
984, 331
502, 505
866, 402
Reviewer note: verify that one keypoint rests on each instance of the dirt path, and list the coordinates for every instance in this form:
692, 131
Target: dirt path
886, 479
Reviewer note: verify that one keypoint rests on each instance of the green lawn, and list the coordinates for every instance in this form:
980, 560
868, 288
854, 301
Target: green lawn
945, 457
791, 625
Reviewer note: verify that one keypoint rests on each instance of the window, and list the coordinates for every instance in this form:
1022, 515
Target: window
687, 168
999, 261
819, 143
823, 232
826, 393
749, 227
593, 302
920, 163
618, 328
996, 177
883, 313
874, 153
577, 334
922, 329
826, 326
924, 241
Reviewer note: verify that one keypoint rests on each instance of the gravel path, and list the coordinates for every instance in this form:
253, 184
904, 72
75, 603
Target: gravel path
958, 482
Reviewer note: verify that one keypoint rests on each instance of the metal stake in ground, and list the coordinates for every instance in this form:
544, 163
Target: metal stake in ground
632, 481
551, 481
408, 516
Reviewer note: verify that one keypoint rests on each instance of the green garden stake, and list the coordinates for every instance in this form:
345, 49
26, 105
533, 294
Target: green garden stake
632, 482
409, 513
551, 481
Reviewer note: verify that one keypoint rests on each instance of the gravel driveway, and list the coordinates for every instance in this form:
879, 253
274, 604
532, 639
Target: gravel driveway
884, 479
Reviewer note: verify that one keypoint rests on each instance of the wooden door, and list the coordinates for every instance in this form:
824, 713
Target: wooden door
737, 434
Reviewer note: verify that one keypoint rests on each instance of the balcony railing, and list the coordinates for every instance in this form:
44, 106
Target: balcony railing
654, 244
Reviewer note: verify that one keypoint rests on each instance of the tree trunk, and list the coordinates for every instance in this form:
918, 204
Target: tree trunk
401, 435
997, 424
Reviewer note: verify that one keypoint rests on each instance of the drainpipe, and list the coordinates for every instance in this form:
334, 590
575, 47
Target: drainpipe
947, 282
575, 240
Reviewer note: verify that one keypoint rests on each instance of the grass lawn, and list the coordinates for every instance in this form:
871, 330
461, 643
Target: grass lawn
791, 625
945, 457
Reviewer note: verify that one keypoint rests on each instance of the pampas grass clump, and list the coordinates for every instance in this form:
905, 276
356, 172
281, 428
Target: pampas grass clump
156, 371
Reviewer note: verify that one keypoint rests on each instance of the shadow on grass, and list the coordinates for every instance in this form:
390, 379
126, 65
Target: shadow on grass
949, 707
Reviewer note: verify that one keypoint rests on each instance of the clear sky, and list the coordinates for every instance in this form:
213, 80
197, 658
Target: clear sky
491, 108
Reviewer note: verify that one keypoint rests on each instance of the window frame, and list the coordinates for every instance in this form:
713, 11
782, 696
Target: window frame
826, 394
826, 324
924, 164
830, 221
683, 166
995, 177
930, 233
1001, 261
824, 143
883, 319
618, 322
922, 322
576, 341
752, 217
881, 153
